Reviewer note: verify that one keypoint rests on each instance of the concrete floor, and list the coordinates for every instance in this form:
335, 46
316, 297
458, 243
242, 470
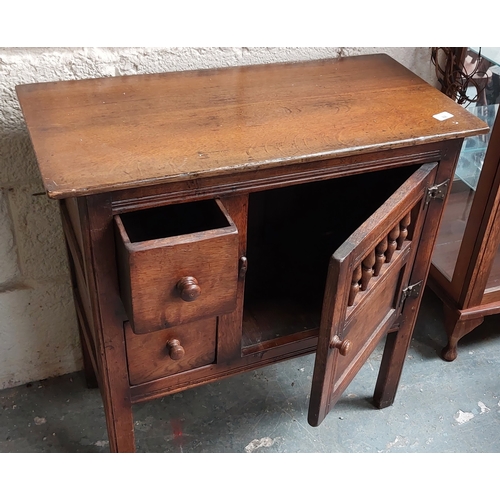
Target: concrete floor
440, 407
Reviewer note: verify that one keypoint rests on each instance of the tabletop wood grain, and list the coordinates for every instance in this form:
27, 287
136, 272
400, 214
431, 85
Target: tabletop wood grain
105, 134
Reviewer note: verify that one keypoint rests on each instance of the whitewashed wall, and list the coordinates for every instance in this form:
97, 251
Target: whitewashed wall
38, 331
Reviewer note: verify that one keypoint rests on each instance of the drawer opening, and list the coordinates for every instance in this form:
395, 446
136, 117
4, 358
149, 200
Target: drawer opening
173, 220
292, 233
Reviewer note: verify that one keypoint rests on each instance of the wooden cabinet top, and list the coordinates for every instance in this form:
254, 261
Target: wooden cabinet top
106, 134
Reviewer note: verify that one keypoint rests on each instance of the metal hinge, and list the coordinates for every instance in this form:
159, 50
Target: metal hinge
437, 192
411, 291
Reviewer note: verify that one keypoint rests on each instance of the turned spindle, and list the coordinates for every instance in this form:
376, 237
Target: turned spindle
392, 243
380, 250
367, 270
356, 276
403, 233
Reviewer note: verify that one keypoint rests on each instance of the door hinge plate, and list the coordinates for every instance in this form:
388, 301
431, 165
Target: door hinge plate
437, 192
411, 291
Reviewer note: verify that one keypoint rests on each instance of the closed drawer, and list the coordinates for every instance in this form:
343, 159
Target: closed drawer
176, 264
170, 351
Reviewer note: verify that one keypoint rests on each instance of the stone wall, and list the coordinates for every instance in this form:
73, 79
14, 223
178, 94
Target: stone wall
38, 331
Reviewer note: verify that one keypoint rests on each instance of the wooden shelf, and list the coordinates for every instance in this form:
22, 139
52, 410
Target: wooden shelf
266, 323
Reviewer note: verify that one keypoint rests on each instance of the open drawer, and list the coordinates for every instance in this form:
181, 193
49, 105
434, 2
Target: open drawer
176, 264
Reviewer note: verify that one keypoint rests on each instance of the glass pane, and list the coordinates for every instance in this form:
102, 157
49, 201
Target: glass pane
452, 228
473, 151
486, 93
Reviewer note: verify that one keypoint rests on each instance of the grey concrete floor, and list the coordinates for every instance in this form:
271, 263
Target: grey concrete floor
440, 407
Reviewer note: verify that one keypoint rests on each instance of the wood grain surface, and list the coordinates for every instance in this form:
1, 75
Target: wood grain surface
106, 134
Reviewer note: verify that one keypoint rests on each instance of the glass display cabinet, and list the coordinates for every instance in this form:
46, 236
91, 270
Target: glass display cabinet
465, 271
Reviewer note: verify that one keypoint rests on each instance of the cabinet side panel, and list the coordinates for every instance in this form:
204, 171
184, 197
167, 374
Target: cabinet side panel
74, 216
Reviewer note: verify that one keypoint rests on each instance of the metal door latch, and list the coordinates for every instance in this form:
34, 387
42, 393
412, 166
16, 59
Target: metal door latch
243, 267
437, 192
411, 291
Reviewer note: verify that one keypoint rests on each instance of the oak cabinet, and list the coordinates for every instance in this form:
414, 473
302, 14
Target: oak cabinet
222, 220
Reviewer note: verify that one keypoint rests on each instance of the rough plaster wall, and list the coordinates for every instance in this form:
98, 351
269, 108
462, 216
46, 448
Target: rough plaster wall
38, 331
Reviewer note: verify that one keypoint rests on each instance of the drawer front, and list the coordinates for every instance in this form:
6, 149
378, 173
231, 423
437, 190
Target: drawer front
167, 352
170, 281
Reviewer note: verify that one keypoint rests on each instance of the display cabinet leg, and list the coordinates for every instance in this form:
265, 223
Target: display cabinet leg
455, 330
391, 367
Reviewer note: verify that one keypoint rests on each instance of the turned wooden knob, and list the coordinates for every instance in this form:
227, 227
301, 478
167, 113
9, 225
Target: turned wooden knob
175, 350
344, 346
189, 289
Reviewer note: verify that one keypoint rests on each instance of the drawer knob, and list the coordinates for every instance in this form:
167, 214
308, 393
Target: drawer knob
344, 346
175, 350
188, 288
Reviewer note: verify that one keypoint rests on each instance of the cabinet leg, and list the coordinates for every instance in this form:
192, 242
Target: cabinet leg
391, 367
115, 394
455, 330
108, 319
120, 426
88, 369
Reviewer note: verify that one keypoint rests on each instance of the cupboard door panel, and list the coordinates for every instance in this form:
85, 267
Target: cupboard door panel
360, 332
362, 299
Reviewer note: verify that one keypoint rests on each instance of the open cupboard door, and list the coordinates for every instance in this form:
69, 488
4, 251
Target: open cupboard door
369, 278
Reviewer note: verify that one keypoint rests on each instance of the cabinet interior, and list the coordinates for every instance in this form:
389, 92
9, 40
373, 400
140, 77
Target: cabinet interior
292, 233
173, 220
